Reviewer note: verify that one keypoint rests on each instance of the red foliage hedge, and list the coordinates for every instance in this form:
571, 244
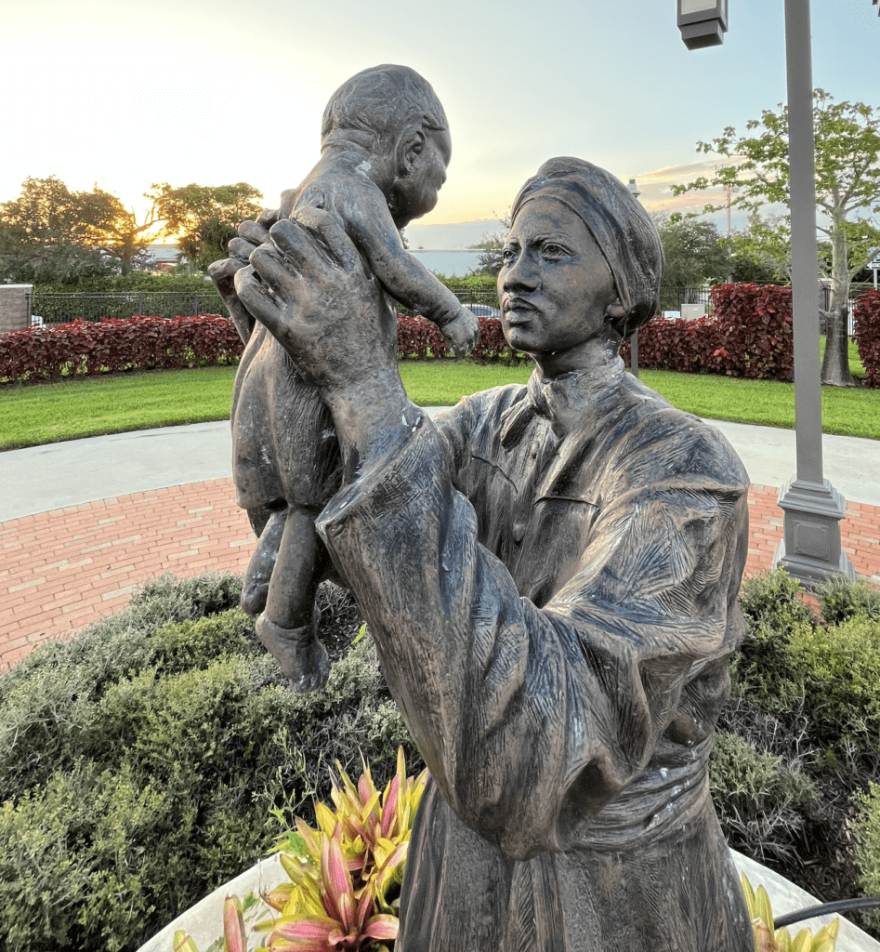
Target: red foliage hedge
147, 343
114, 345
749, 334
867, 320
416, 336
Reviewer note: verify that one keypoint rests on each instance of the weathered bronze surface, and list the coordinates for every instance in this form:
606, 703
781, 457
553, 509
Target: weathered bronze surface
550, 574
385, 147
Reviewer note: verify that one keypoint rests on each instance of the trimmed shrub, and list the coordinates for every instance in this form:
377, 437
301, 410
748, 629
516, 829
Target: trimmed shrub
419, 339
113, 346
83, 348
792, 665
842, 599
867, 331
759, 797
143, 761
866, 832
756, 327
749, 334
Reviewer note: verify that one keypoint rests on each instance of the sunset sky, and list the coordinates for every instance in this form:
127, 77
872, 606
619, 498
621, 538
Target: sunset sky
125, 94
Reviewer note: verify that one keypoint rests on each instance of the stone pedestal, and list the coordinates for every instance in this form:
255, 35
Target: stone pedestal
15, 307
810, 549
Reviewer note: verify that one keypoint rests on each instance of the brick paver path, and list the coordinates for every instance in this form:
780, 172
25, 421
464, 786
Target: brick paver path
60, 570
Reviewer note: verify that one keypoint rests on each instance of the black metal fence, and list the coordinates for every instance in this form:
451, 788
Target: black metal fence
671, 299
485, 298
90, 306
855, 292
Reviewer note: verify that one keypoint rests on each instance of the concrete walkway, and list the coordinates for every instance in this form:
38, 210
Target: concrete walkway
85, 523
56, 475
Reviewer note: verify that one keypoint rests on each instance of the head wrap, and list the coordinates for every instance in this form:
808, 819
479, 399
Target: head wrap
625, 234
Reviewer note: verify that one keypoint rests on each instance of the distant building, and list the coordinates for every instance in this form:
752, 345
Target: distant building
164, 257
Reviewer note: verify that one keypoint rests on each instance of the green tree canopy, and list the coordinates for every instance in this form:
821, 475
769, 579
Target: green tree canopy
695, 254
50, 233
204, 218
847, 137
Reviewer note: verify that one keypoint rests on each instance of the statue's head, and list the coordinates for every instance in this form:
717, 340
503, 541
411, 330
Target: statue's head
393, 114
618, 224
379, 104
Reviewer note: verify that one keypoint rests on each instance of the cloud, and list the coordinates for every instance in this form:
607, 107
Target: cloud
656, 185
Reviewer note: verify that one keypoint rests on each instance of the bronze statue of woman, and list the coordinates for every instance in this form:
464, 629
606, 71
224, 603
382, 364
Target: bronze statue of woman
550, 573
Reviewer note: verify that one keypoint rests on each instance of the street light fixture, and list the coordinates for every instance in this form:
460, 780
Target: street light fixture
702, 22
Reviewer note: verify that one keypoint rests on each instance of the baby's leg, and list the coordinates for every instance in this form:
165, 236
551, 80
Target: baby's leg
290, 618
255, 589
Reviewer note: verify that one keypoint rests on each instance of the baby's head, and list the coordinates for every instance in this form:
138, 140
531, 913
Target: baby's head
395, 115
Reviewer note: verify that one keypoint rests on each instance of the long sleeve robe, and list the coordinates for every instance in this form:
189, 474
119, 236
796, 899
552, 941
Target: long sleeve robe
553, 597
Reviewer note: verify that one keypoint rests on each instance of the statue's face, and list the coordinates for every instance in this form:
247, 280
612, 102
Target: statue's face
555, 285
416, 194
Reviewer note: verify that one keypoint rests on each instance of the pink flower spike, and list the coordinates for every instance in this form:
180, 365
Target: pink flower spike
390, 807
338, 883
382, 927
306, 930
234, 938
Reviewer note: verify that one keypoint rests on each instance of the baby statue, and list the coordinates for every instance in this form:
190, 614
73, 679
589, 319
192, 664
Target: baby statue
385, 147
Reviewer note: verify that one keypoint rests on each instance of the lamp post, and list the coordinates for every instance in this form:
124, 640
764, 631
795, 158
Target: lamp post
810, 550
634, 339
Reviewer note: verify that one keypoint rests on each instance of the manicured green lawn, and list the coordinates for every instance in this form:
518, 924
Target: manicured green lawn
30, 415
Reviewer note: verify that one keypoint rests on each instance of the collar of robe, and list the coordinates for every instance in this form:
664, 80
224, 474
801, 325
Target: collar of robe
567, 401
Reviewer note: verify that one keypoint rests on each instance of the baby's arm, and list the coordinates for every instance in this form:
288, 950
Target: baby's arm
404, 277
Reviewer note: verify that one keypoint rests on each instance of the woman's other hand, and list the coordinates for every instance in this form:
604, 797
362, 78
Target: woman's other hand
251, 234
310, 288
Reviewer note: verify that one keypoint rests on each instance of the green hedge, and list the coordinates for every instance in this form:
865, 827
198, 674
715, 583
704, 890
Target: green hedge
142, 762
807, 703
146, 760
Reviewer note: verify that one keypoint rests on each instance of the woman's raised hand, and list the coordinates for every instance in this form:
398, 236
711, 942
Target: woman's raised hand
310, 288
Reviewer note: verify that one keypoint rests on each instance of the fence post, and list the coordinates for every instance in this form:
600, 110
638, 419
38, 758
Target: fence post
15, 307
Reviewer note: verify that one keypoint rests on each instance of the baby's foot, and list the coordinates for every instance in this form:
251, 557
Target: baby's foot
300, 655
463, 333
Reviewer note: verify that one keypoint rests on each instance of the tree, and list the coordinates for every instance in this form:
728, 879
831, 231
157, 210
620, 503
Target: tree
50, 233
204, 218
694, 254
490, 262
847, 139
115, 231
761, 252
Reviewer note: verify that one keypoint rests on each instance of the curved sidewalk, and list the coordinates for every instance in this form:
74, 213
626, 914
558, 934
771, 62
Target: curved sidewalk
85, 523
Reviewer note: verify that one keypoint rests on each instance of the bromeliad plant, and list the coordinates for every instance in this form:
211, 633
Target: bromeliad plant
768, 939
343, 894
345, 876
